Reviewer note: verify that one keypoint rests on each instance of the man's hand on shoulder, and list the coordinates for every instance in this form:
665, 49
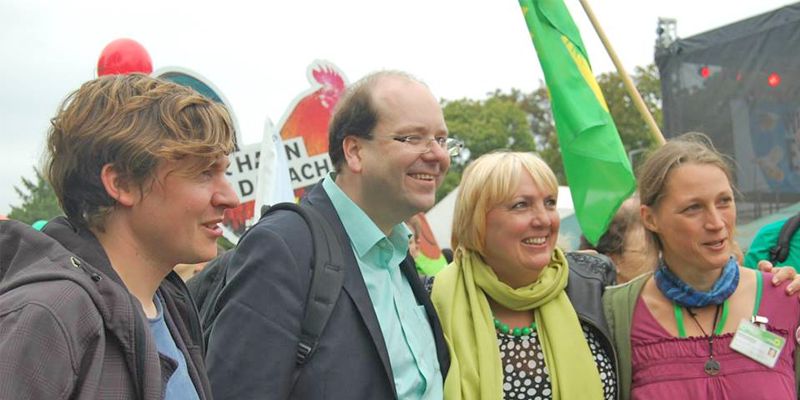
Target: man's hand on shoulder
781, 275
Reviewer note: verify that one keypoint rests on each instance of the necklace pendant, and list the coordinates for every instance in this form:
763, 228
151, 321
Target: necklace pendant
712, 367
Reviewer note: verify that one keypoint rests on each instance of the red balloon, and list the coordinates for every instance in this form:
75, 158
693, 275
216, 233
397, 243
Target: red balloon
124, 56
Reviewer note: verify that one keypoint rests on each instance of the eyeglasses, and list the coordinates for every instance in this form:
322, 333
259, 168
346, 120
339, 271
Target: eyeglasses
421, 144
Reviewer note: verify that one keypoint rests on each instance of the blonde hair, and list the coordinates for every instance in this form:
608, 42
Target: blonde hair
488, 181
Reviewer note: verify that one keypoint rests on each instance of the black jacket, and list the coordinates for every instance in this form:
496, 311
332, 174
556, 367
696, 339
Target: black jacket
69, 328
253, 341
588, 277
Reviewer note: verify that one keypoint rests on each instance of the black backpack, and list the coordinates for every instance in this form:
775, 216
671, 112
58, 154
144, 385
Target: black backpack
326, 280
780, 252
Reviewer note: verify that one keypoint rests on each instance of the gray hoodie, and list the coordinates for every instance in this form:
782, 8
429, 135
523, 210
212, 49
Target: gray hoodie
69, 328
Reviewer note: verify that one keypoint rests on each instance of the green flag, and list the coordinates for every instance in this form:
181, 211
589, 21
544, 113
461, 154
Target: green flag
599, 174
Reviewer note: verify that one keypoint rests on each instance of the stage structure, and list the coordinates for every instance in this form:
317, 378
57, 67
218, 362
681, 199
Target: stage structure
740, 84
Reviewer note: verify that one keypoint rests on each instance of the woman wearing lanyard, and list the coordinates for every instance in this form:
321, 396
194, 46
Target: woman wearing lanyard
701, 326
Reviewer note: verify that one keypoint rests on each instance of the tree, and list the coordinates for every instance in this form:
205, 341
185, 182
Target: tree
38, 201
632, 128
542, 126
483, 126
524, 122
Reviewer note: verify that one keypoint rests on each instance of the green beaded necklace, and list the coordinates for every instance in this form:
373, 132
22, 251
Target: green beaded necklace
516, 332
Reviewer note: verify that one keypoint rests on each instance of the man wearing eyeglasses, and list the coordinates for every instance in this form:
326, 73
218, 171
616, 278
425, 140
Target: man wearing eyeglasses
389, 146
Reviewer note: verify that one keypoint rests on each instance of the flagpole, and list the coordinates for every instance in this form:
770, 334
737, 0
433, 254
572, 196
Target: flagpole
626, 80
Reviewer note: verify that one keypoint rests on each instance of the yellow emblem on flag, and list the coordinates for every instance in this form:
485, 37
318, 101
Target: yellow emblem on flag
585, 71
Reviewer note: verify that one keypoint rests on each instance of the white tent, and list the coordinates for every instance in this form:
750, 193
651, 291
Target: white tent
440, 217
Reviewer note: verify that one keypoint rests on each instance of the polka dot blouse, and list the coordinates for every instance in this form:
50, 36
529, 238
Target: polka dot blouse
525, 375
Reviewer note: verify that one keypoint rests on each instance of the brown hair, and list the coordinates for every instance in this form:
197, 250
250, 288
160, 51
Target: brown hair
689, 148
133, 122
488, 181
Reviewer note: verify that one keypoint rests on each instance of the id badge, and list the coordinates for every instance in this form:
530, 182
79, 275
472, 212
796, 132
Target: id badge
758, 344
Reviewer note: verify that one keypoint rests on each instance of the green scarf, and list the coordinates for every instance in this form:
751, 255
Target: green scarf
459, 295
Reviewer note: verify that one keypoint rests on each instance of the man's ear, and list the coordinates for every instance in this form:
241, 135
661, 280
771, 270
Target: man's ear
353, 153
648, 218
116, 187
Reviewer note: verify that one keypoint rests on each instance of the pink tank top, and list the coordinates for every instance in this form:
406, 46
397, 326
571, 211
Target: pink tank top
666, 367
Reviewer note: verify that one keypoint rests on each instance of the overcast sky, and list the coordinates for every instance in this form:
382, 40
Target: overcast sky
256, 53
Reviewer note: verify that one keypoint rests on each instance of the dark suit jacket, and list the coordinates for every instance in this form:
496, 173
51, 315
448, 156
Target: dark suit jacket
253, 342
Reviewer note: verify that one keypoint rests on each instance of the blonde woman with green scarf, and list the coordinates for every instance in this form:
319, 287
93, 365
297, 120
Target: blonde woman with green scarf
522, 320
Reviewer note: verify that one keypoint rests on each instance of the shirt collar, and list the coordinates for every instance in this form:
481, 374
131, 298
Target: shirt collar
363, 232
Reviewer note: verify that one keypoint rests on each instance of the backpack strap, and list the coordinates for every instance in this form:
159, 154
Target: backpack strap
206, 287
780, 252
326, 279
326, 285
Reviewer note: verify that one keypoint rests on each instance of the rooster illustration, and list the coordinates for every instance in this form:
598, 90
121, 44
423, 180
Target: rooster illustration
310, 117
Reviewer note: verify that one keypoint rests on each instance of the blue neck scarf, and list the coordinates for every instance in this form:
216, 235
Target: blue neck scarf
684, 295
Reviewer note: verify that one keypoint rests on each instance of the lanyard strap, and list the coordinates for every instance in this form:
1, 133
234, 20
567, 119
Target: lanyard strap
718, 329
682, 329
679, 320
757, 304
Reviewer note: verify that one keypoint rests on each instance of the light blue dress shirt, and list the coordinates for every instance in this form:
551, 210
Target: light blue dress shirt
404, 324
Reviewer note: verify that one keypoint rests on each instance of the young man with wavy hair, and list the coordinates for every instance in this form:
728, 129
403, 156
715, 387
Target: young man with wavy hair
90, 308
